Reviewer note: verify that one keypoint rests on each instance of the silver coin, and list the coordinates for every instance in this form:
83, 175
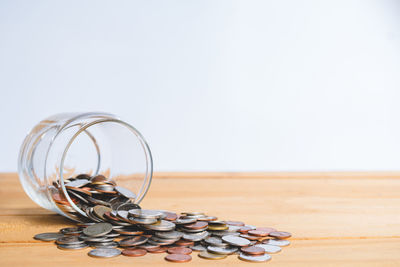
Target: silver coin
169, 235
104, 245
104, 252
71, 231
96, 239
217, 223
145, 214
77, 183
99, 229
142, 221
125, 192
193, 213
216, 242
160, 241
72, 247
133, 241
48, 236
211, 256
232, 228
236, 240
69, 240
219, 250
269, 248
262, 258
223, 233
161, 225
185, 221
278, 242
127, 206
198, 248
196, 236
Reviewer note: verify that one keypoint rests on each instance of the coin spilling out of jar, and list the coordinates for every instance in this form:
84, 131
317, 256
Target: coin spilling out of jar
116, 226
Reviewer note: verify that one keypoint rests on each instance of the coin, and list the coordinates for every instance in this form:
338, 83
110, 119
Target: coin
98, 229
48, 236
170, 216
157, 250
125, 192
134, 252
280, 234
258, 233
185, 221
145, 214
235, 223
196, 225
253, 250
70, 240
169, 234
179, 250
184, 243
250, 237
277, 242
133, 241
198, 248
212, 256
269, 248
104, 252
236, 240
77, 183
245, 229
221, 250
100, 210
196, 236
265, 229
72, 247
71, 231
142, 221
215, 241
161, 225
178, 258
250, 258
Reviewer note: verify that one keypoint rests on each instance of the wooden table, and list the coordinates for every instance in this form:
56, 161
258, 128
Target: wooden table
337, 219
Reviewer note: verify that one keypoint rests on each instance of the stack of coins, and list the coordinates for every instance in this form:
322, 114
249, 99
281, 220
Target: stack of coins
114, 222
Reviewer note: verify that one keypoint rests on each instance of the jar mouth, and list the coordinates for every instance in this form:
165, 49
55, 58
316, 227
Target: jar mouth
148, 172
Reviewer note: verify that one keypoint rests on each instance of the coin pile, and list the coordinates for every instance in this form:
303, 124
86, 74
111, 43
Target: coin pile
114, 222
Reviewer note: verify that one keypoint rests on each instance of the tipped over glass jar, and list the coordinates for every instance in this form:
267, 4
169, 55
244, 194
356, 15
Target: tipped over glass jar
71, 162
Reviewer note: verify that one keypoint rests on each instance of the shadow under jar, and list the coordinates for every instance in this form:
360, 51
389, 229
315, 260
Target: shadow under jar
64, 146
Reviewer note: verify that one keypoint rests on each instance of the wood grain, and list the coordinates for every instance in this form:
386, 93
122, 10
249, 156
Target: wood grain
336, 219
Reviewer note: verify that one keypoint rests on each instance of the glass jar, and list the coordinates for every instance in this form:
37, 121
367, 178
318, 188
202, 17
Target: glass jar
69, 144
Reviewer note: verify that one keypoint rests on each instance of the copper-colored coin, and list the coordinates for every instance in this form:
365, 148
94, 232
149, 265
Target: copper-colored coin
109, 216
266, 229
184, 243
178, 258
179, 250
280, 234
170, 216
244, 229
235, 223
196, 225
81, 190
258, 233
252, 250
157, 250
98, 179
134, 252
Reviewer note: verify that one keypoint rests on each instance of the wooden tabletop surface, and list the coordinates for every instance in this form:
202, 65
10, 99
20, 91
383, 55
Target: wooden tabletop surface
337, 219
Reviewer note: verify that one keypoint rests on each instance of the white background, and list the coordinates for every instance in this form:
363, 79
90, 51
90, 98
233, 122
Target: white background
213, 85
